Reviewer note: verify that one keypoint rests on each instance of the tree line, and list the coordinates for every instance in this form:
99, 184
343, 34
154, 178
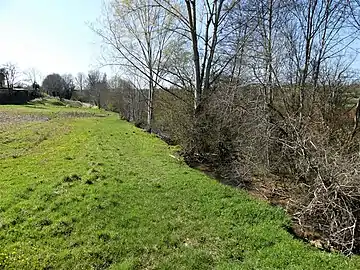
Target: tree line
252, 87
116, 94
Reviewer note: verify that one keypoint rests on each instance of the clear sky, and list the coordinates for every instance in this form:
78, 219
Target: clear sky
49, 35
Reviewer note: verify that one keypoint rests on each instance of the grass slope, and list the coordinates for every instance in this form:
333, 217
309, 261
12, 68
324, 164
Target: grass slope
95, 193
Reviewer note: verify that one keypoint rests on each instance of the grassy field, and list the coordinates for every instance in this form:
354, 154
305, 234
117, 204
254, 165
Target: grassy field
81, 189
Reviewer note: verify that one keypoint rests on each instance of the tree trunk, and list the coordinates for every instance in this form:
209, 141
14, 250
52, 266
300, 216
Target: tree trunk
191, 9
150, 113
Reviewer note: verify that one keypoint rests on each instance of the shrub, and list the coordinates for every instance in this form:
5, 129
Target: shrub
236, 133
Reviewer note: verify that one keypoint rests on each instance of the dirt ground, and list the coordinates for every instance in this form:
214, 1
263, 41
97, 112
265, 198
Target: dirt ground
7, 119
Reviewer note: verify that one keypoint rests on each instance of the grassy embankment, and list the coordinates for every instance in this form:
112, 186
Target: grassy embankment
81, 189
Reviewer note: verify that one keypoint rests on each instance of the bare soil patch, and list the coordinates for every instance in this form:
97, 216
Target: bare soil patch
11, 118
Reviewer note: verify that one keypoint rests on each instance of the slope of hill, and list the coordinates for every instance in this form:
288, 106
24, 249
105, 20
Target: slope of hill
81, 189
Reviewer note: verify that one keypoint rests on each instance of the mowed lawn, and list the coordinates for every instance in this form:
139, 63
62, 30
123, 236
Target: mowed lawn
81, 189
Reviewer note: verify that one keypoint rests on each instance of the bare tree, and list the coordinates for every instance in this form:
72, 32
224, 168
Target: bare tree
69, 85
96, 85
137, 37
314, 35
242, 23
204, 27
12, 75
354, 6
80, 81
32, 75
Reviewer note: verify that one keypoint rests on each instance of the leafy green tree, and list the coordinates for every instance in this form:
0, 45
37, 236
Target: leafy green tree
57, 86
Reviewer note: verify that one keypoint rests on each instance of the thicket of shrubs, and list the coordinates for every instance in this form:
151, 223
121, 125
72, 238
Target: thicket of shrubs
237, 136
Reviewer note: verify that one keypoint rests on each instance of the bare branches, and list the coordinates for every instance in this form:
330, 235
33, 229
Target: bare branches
138, 36
80, 81
11, 73
32, 75
332, 208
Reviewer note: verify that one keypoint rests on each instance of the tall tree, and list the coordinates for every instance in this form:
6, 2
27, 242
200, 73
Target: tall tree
315, 34
69, 85
80, 81
54, 85
137, 34
11, 73
96, 85
203, 24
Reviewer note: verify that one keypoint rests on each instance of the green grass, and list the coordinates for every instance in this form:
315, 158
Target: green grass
96, 193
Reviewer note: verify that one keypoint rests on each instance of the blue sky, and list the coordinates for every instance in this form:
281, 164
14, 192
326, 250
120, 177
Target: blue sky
52, 35
49, 35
